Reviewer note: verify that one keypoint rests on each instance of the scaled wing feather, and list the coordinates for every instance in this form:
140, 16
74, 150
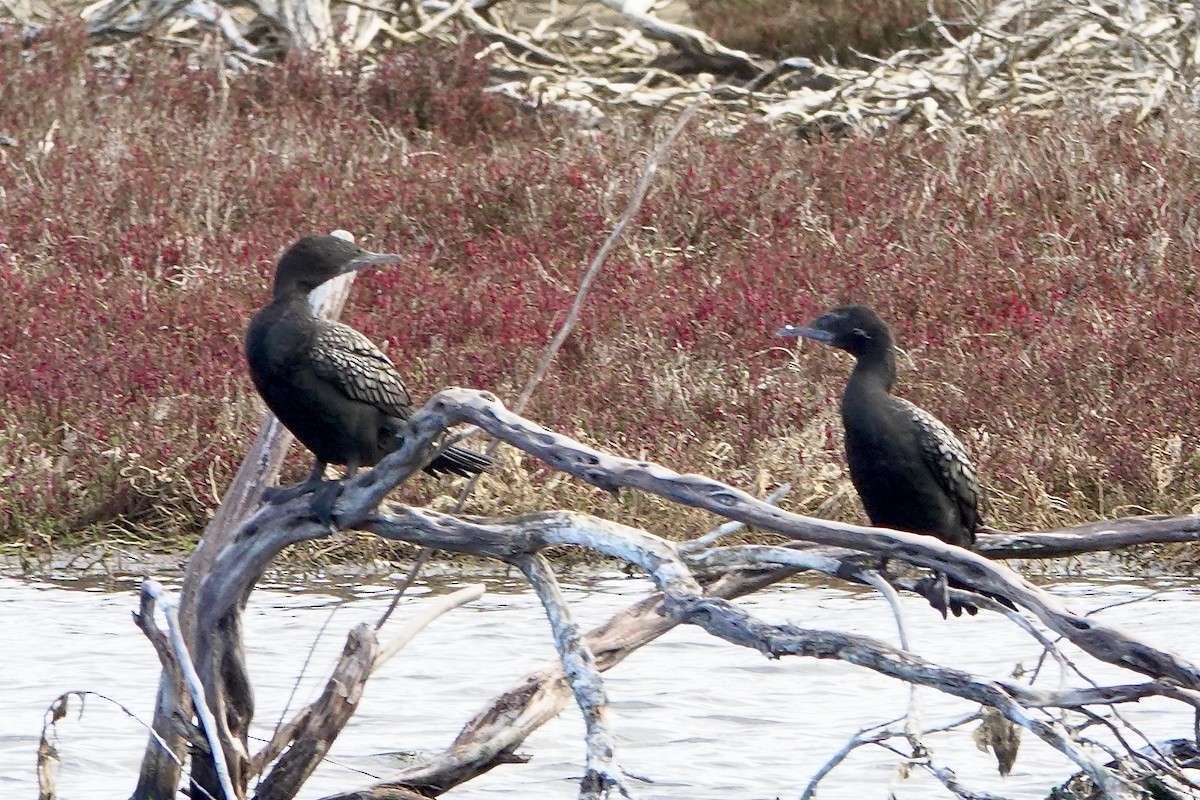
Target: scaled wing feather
946, 456
351, 362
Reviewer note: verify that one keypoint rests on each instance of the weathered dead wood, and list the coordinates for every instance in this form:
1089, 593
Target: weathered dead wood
427, 613
603, 773
519, 46
1027, 56
699, 52
173, 713
1103, 535
492, 737
315, 731
510, 540
48, 761
47, 757
120, 20
482, 537
313, 728
495, 733
730, 623
454, 406
187, 670
1183, 753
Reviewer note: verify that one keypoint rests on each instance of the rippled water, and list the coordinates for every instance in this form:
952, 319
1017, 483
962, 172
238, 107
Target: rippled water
699, 719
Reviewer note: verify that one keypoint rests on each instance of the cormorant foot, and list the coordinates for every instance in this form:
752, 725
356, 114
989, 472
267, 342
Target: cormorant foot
937, 591
325, 494
323, 500
277, 495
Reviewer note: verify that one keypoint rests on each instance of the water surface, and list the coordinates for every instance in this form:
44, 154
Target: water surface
698, 718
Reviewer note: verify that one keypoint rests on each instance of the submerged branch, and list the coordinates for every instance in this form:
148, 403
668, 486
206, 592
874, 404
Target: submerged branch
681, 602
579, 666
314, 731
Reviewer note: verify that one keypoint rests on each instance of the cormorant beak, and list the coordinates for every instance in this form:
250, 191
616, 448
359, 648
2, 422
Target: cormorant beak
807, 331
365, 259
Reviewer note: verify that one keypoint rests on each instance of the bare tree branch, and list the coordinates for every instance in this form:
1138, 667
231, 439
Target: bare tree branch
608, 472
208, 722
425, 614
1104, 535
838, 549
319, 725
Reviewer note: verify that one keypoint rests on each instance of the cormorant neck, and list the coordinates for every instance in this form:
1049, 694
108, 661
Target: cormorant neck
876, 366
283, 291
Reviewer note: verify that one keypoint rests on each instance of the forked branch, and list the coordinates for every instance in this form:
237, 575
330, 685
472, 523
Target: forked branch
493, 737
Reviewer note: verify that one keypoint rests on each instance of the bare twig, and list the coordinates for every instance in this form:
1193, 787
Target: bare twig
589, 277
48, 761
649, 170
427, 613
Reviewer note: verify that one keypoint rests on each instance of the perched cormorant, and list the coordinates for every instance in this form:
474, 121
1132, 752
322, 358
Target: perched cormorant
910, 471
326, 382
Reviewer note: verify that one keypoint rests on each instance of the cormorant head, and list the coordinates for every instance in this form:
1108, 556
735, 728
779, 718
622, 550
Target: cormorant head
856, 329
315, 259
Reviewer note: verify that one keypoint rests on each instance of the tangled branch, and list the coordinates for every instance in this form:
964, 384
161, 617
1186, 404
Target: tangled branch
1025, 56
833, 548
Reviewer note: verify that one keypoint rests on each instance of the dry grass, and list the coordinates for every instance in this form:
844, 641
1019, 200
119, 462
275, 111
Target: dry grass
1040, 274
839, 30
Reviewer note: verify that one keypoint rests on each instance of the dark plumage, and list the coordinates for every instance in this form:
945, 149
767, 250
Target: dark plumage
328, 384
910, 471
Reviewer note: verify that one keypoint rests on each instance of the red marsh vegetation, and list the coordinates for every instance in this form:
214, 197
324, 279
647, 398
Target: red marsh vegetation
1040, 274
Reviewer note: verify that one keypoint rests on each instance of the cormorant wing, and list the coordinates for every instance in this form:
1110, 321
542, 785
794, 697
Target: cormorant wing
947, 459
350, 361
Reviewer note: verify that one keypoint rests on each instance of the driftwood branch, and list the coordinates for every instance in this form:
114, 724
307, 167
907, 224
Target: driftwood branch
454, 406
313, 733
427, 613
699, 52
1104, 535
235, 560
1023, 56
579, 665
315, 727
179, 670
47, 756
834, 548
492, 738
728, 622
539, 697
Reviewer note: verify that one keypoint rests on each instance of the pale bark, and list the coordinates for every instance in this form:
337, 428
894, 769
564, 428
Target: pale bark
837, 549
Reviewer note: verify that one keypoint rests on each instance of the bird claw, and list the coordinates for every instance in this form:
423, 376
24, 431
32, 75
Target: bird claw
325, 494
937, 591
323, 500
277, 495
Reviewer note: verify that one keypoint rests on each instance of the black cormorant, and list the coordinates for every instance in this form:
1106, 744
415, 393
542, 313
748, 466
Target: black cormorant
911, 473
326, 382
